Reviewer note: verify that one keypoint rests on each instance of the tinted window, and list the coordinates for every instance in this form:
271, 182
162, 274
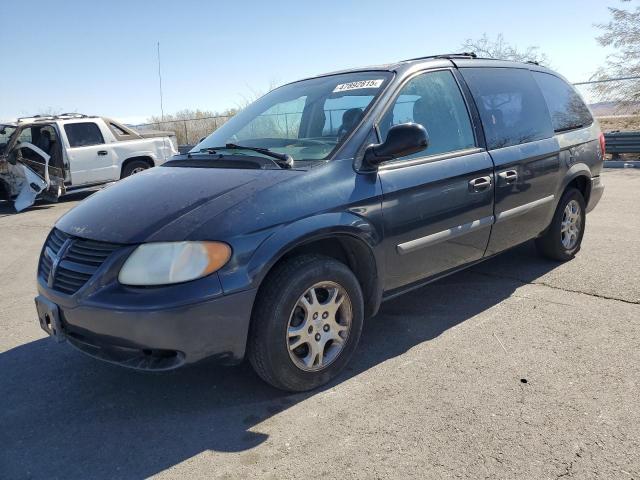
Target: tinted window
434, 101
83, 134
567, 109
511, 106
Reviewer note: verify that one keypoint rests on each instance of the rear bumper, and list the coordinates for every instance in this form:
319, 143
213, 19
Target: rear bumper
148, 336
597, 189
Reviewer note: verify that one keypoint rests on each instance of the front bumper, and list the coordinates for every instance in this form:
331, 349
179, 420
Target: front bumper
597, 189
155, 328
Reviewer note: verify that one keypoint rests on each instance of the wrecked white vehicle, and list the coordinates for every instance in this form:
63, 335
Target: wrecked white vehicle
19, 181
48, 157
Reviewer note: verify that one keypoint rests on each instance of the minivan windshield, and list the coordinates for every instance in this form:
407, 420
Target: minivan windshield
307, 120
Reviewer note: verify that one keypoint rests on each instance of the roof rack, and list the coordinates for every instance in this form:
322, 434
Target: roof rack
471, 55
60, 116
445, 56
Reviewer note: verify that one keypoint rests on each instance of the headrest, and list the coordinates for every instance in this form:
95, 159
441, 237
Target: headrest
352, 116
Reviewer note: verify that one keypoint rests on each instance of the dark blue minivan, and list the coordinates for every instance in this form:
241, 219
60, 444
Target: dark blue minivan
282, 231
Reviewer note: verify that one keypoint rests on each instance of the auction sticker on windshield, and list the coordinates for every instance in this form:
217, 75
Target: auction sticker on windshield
344, 87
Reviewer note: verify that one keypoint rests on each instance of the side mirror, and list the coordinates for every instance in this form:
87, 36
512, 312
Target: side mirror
402, 140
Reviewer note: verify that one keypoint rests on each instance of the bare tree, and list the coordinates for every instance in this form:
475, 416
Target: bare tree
255, 94
499, 48
622, 33
49, 111
191, 125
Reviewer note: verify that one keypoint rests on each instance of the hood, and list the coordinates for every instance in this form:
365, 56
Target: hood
144, 207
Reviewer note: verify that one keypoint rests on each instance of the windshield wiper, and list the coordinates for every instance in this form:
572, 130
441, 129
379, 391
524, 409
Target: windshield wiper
283, 160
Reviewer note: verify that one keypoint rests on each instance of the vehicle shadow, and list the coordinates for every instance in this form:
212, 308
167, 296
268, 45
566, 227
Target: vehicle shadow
65, 415
6, 208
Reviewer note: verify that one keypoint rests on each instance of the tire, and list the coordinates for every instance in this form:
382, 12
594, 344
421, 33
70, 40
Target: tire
136, 166
555, 244
280, 313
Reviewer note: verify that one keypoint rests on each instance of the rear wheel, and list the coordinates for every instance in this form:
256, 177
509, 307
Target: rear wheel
563, 238
136, 166
307, 323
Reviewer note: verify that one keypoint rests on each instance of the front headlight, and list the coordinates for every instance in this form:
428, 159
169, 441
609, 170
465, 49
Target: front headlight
164, 263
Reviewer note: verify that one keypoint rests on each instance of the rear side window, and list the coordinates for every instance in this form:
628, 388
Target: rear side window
567, 109
512, 108
83, 134
118, 130
433, 100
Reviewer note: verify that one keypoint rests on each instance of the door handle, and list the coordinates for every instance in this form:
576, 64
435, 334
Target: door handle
508, 177
103, 152
480, 184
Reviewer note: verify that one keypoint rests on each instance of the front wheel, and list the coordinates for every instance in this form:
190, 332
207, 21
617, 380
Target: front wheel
306, 323
563, 238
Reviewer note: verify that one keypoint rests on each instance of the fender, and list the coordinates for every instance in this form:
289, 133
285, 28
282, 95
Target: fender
577, 170
287, 237
140, 153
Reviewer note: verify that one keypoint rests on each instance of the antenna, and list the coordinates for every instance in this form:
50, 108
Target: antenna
160, 80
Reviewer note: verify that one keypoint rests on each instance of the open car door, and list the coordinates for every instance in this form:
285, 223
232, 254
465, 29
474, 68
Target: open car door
28, 175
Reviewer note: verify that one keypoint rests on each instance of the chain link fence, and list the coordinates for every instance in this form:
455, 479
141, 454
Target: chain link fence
188, 131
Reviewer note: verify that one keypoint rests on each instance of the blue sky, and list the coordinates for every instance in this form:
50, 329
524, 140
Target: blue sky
100, 57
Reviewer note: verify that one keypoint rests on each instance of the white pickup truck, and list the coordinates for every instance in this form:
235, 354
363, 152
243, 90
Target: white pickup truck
51, 156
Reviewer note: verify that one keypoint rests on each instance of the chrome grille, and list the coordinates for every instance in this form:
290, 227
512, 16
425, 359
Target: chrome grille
76, 262
54, 242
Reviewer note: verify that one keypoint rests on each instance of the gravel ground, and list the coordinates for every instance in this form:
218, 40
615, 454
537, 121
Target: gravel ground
517, 368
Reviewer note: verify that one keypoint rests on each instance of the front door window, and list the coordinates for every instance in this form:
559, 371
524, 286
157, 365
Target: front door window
433, 100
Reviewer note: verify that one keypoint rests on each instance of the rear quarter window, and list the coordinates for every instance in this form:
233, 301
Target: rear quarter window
567, 109
511, 105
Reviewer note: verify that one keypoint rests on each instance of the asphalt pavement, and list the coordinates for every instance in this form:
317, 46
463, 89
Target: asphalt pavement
517, 368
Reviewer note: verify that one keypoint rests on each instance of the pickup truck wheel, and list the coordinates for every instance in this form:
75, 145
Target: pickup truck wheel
134, 167
563, 238
306, 323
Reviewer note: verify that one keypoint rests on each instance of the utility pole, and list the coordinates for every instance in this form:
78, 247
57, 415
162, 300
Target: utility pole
160, 80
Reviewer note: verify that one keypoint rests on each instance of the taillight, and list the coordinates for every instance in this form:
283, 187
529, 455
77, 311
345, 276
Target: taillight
602, 144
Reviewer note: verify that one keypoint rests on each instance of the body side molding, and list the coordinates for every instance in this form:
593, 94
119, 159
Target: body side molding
522, 209
413, 245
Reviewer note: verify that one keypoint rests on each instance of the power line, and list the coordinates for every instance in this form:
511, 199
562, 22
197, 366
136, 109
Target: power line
177, 120
608, 80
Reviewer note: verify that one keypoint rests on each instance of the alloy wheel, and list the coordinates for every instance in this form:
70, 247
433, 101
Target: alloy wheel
319, 326
571, 225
